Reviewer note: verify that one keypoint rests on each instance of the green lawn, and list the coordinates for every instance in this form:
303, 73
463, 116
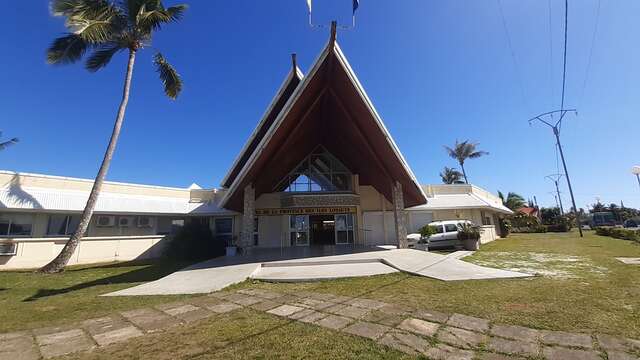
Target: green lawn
584, 289
30, 300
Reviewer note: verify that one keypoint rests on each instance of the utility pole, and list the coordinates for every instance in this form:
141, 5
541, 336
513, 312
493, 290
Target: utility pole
555, 178
556, 133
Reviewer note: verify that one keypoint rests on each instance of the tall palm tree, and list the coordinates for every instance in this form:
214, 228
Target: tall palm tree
513, 201
105, 28
463, 151
6, 144
451, 176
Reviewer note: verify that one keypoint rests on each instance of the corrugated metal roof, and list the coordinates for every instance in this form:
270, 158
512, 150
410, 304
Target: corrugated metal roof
25, 198
460, 201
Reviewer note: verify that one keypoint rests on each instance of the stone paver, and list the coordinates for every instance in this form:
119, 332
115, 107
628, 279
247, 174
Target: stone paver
195, 315
392, 341
302, 313
334, 322
517, 347
446, 352
284, 310
515, 332
619, 355
430, 315
117, 335
461, 337
468, 322
395, 309
566, 339
62, 343
18, 346
494, 356
265, 305
609, 342
384, 319
150, 319
418, 326
367, 329
244, 300
348, 311
224, 307
367, 303
560, 353
312, 317
176, 308
104, 324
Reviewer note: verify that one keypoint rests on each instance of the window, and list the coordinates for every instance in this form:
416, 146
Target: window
344, 229
450, 228
224, 229
486, 220
299, 230
439, 229
16, 224
62, 224
320, 171
145, 221
255, 231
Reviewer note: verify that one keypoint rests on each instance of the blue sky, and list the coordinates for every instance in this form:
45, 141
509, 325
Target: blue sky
436, 71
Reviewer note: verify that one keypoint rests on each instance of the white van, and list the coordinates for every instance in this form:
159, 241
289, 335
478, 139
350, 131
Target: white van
446, 234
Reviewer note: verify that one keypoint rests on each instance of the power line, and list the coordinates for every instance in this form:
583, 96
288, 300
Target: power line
513, 55
553, 92
593, 41
564, 58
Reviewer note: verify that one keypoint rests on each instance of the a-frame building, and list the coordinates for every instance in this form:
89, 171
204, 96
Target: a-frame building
319, 158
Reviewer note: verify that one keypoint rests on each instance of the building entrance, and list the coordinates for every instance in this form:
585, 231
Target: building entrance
323, 229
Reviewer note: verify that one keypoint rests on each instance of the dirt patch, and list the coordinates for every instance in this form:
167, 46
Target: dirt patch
544, 264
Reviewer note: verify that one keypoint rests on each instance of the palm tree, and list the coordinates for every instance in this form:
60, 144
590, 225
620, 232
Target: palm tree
463, 151
6, 144
105, 28
451, 176
513, 201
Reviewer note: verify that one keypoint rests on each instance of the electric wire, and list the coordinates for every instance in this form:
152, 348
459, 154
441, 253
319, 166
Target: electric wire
513, 55
593, 40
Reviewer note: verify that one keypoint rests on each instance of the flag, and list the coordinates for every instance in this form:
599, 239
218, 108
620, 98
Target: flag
356, 3
309, 5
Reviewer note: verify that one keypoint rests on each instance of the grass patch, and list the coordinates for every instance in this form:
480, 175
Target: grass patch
605, 300
30, 300
246, 334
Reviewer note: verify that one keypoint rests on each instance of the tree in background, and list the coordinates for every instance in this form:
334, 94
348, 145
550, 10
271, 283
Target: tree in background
463, 151
106, 28
6, 144
512, 201
451, 176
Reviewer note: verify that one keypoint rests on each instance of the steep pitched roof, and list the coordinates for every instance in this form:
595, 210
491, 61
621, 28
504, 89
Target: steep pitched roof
277, 103
330, 108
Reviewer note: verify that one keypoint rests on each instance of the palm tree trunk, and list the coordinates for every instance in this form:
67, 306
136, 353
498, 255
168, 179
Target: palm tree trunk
58, 264
464, 173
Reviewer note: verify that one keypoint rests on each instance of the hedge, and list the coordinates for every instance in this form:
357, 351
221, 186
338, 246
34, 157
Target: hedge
619, 233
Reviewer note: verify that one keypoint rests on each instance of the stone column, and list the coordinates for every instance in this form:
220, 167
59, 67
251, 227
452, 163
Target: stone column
399, 215
249, 213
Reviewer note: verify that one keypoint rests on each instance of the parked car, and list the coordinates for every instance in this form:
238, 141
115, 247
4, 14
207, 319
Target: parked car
446, 234
632, 223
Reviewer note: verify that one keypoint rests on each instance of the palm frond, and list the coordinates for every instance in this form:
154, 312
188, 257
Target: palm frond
477, 154
102, 56
5, 144
170, 78
67, 49
152, 20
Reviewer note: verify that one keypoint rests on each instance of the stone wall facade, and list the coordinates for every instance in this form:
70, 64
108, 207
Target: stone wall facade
399, 215
248, 215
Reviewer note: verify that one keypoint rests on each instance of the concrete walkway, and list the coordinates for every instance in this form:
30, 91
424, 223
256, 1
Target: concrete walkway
414, 331
313, 265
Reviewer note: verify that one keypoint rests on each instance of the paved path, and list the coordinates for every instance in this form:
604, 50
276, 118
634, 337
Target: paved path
216, 274
433, 334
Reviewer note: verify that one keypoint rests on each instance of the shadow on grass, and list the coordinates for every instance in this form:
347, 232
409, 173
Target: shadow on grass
152, 271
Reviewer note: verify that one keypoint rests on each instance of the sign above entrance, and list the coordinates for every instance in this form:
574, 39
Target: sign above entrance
308, 211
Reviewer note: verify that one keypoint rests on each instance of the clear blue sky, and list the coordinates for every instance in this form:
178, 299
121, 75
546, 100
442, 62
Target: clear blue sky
436, 71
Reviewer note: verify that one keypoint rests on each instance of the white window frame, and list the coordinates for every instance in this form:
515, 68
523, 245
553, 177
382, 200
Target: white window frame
10, 218
66, 224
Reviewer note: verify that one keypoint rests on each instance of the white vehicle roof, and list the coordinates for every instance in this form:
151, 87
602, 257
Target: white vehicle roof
445, 222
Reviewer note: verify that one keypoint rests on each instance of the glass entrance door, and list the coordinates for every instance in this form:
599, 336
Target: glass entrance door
299, 230
344, 229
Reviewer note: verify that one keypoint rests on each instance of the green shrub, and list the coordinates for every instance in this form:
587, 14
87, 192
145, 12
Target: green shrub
468, 232
194, 241
562, 227
619, 233
427, 230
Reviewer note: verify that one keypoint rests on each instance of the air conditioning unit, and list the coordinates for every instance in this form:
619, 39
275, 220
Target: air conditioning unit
125, 221
145, 221
8, 248
105, 221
